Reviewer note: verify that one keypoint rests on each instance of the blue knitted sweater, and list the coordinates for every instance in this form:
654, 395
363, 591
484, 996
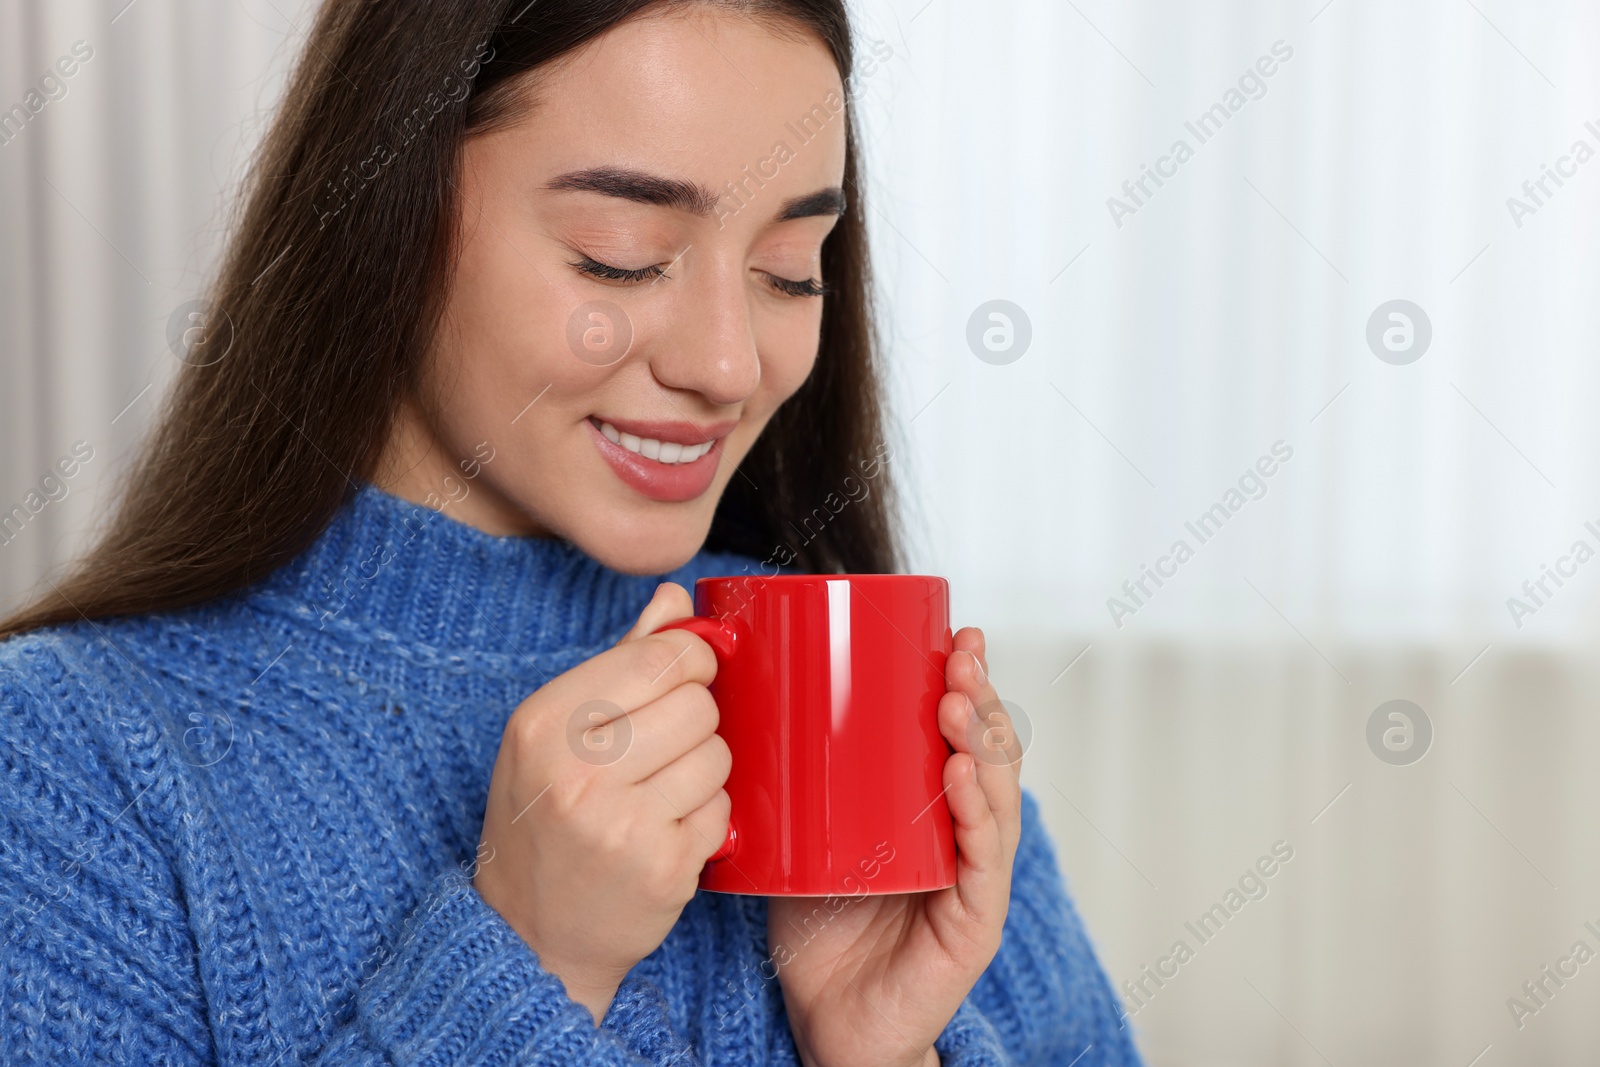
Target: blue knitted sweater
243, 833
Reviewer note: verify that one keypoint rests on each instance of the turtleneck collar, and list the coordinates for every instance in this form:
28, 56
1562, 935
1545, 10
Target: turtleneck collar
385, 564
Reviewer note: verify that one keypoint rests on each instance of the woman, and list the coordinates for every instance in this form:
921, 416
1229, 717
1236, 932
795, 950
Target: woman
524, 315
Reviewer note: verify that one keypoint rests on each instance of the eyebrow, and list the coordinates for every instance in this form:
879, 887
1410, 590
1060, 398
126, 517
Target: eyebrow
822, 202
682, 195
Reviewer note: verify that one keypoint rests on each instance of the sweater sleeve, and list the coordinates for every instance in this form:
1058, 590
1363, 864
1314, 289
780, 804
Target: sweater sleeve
1044, 1000
96, 958
99, 959
462, 987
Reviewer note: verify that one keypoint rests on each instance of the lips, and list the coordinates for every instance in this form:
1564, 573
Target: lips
684, 461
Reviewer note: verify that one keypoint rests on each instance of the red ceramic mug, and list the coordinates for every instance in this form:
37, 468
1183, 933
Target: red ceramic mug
828, 688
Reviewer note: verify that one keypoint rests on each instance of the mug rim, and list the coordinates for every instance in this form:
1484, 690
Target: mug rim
818, 577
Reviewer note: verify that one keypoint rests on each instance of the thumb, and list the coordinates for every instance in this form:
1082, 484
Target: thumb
671, 601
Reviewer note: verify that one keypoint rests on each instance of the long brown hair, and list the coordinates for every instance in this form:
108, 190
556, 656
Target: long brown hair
333, 283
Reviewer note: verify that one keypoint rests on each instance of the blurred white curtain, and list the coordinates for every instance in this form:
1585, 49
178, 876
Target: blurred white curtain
1226, 313
113, 202
1232, 307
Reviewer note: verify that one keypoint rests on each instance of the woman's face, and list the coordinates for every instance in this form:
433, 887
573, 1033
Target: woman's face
635, 290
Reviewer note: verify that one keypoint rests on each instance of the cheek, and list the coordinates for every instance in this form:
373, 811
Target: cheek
788, 354
505, 338
501, 311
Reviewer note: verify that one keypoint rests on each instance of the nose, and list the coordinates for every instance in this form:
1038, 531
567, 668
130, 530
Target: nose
710, 345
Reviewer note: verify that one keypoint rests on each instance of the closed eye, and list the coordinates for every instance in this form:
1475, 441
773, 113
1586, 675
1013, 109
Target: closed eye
804, 287
606, 271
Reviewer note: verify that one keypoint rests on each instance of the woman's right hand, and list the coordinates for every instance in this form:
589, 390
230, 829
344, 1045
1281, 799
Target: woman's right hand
591, 851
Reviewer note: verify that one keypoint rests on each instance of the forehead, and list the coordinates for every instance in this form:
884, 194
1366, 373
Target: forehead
699, 93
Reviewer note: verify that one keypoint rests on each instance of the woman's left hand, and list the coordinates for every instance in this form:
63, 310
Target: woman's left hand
884, 976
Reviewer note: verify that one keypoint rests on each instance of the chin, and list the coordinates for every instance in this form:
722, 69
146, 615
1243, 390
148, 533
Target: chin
644, 547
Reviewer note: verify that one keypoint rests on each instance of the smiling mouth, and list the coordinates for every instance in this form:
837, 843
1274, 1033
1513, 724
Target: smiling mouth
667, 452
668, 461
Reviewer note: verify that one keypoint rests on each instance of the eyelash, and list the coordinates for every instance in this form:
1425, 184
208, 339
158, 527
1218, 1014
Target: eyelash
787, 286
618, 274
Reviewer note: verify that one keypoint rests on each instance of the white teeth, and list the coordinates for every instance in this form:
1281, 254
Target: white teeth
650, 448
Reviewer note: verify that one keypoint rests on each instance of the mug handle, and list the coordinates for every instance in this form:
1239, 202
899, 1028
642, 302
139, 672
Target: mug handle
720, 636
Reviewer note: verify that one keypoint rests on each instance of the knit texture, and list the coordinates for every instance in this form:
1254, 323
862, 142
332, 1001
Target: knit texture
244, 833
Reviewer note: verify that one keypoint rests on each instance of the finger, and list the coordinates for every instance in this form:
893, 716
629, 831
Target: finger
704, 829
692, 779
966, 673
987, 733
983, 873
669, 602
988, 736
665, 730
971, 639
988, 723
631, 675
974, 719
963, 670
